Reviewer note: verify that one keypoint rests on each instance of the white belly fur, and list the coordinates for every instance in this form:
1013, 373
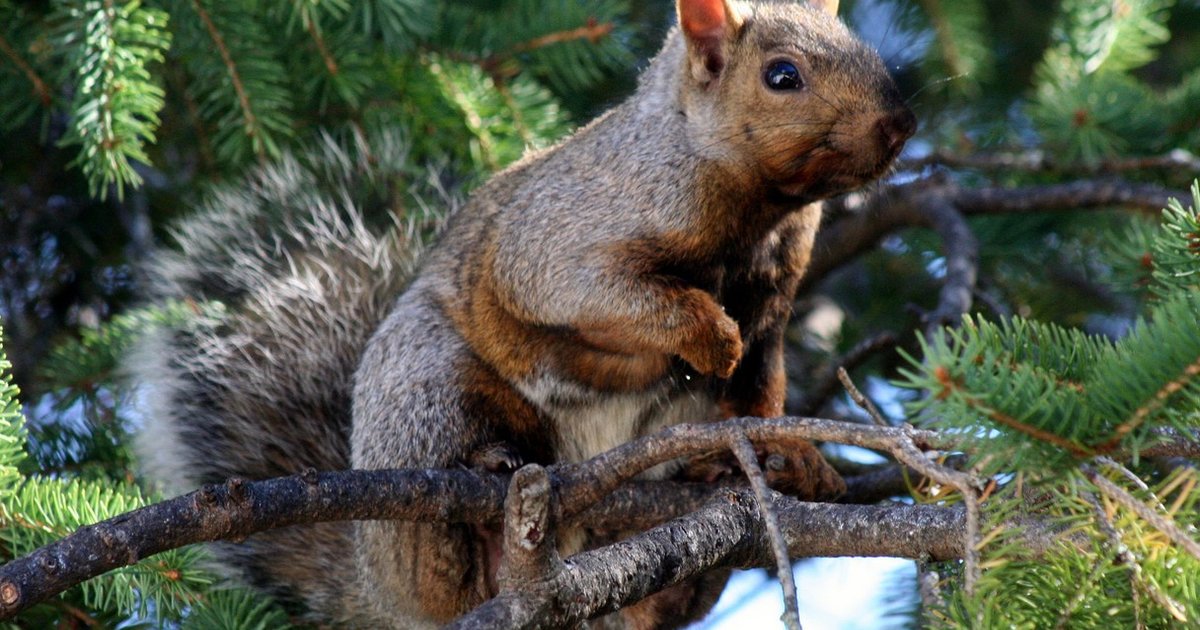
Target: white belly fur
592, 422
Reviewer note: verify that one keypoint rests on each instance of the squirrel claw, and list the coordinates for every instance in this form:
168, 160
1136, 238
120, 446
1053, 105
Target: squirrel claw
497, 457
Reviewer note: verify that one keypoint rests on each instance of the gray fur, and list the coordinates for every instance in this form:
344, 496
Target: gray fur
266, 389
262, 387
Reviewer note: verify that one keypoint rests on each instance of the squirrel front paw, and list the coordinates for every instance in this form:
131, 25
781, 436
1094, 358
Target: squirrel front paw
715, 346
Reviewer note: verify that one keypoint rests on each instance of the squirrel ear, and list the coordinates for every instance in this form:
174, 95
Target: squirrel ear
828, 6
708, 25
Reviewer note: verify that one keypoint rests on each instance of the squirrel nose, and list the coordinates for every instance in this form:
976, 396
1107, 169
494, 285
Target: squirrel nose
897, 127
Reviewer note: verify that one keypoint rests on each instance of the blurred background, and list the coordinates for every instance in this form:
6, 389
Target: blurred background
118, 118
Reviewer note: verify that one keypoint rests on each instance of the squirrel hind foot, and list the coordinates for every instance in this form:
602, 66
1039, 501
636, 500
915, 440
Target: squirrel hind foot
496, 457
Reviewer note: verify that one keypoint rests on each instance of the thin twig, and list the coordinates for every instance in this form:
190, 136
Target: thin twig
744, 451
586, 482
592, 32
967, 485
1190, 373
1130, 476
861, 400
827, 383
39, 86
330, 63
1119, 550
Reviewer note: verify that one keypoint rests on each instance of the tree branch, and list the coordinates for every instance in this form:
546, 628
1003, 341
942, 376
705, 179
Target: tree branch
1040, 162
744, 451
828, 381
727, 532
40, 91
239, 508
860, 221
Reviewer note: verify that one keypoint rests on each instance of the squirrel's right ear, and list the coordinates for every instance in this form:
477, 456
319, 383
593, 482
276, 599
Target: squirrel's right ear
708, 26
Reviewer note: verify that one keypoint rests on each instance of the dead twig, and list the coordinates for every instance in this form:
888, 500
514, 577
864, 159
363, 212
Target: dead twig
862, 401
967, 485
744, 451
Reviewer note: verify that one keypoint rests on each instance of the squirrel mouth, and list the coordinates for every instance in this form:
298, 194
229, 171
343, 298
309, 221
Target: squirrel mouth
831, 173
833, 181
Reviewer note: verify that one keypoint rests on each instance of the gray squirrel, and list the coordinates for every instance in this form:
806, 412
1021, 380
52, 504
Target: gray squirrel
638, 274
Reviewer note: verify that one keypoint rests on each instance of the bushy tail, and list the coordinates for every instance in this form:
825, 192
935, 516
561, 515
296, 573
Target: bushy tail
291, 270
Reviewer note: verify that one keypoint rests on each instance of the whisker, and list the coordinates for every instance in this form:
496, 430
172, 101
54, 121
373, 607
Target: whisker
828, 102
935, 82
794, 123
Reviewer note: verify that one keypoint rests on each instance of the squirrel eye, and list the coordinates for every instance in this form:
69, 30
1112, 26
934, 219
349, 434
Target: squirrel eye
783, 75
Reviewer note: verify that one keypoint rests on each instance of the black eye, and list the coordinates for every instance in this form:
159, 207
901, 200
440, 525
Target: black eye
783, 75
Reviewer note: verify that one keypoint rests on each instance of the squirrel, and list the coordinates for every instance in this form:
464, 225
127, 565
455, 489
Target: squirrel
638, 274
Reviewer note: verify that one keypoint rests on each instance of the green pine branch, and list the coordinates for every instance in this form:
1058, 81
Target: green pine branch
1039, 408
1110, 568
571, 45
1175, 252
398, 26
12, 432
1162, 259
38, 509
1112, 36
1184, 116
109, 46
1085, 103
236, 608
237, 79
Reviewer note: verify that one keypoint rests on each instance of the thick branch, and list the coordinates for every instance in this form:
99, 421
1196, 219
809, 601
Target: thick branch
962, 257
239, 508
728, 532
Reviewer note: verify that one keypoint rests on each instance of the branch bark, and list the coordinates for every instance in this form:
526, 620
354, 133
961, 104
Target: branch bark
240, 508
727, 532
860, 221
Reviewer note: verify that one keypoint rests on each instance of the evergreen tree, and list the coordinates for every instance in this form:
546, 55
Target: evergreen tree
1079, 364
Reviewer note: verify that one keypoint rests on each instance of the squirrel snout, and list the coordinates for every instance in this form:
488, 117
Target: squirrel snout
896, 128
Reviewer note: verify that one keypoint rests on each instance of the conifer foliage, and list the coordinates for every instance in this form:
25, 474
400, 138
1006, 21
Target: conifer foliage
1041, 409
1071, 389
244, 80
37, 507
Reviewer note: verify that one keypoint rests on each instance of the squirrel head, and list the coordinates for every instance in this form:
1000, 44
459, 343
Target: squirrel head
783, 93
